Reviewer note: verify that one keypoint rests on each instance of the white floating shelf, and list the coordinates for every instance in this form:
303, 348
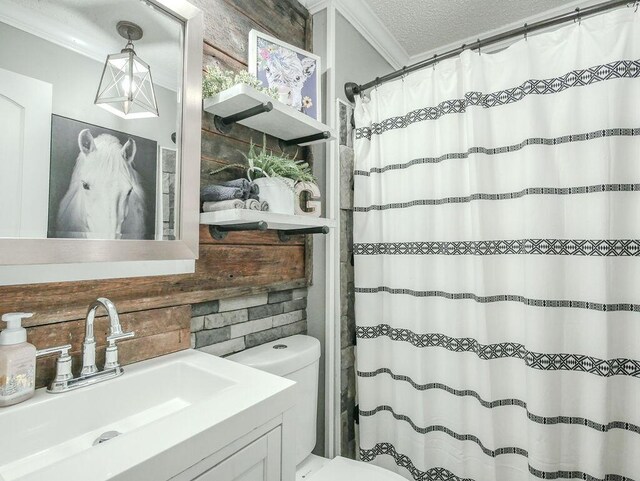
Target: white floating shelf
273, 220
282, 122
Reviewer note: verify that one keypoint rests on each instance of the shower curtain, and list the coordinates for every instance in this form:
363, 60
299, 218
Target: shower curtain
497, 268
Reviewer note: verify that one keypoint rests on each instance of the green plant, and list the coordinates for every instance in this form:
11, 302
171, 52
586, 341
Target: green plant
215, 80
263, 163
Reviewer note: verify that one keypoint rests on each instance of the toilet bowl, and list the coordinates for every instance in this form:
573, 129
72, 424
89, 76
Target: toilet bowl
297, 358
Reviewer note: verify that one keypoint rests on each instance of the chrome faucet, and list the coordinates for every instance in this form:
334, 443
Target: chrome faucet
89, 344
90, 374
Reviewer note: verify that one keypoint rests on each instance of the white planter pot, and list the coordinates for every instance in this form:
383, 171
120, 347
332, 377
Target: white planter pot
279, 193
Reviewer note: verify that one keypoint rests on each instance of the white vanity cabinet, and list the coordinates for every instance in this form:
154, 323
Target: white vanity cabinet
258, 461
265, 453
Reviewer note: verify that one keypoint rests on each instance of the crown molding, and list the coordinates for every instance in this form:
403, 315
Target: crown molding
314, 6
359, 14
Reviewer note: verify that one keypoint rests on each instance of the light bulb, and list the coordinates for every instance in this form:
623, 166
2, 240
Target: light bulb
128, 85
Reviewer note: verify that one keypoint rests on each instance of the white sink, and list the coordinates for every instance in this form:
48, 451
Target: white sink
155, 405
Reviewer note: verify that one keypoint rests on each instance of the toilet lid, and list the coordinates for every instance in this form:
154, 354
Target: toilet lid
342, 468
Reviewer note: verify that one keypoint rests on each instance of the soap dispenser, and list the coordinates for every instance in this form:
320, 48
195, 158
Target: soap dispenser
17, 361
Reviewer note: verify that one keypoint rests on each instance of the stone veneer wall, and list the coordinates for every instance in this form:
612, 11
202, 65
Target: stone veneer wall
347, 294
231, 325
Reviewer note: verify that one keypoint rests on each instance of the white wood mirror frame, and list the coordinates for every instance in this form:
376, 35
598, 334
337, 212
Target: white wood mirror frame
39, 252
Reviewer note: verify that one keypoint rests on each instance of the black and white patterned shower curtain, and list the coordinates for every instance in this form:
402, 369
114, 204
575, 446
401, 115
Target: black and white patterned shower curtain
497, 244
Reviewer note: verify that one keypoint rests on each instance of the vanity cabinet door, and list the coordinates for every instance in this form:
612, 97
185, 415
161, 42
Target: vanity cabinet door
258, 461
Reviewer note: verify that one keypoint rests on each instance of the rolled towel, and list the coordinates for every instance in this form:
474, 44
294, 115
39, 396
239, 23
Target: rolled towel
264, 206
215, 193
238, 183
253, 196
223, 205
254, 188
252, 204
243, 184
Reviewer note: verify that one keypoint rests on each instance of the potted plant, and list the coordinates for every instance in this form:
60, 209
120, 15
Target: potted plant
216, 80
276, 175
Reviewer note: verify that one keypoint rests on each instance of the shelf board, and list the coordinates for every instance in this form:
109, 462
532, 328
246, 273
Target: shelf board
283, 122
274, 221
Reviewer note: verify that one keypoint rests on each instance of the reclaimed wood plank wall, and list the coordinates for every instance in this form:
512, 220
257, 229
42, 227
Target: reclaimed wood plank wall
158, 308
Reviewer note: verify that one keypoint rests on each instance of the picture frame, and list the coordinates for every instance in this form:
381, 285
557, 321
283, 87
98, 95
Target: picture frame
294, 72
87, 191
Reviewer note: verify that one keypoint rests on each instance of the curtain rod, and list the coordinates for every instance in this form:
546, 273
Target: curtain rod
351, 89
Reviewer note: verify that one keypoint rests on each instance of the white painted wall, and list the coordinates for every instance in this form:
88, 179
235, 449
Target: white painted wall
315, 298
357, 61
75, 81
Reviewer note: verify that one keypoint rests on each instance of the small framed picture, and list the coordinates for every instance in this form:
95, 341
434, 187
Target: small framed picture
293, 72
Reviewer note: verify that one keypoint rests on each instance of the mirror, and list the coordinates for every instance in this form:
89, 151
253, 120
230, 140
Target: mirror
100, 127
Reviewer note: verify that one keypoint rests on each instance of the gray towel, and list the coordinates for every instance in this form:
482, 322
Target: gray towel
243, 184
223, 205
252, 204
238, 183
264, 206
254, 188
214, 193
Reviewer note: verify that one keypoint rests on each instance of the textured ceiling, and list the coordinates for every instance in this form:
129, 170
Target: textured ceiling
424, 25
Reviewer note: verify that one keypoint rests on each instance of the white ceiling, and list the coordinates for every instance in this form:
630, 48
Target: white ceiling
422, 26
89, 28
408, 31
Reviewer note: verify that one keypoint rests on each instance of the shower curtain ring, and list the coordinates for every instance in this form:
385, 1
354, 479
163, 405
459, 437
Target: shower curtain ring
526, 26
479, 46
636, 4
578, 16
377, 83
404, 73
435, 56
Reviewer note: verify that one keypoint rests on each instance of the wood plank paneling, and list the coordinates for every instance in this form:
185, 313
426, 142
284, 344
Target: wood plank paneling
246, 135
269, 237
279, 18
158, 332
227, 24
212, 57
219, 269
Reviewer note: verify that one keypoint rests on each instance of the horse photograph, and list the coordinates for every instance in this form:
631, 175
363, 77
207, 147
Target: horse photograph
293, 72
102, 183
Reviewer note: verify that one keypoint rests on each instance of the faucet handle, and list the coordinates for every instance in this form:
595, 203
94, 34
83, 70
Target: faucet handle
63, 366
63, 350
112, 338
111, 354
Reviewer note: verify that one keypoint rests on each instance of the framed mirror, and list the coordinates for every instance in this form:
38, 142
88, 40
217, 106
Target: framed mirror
100, 115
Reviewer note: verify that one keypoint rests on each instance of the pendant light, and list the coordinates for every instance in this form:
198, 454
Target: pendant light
126, 88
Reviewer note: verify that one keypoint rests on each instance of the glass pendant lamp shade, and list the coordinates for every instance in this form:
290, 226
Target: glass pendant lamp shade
126, 87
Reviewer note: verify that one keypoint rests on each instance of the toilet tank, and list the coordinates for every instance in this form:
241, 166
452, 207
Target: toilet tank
296, 358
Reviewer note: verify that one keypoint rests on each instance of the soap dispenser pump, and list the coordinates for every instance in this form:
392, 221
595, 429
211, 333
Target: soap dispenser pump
17, 361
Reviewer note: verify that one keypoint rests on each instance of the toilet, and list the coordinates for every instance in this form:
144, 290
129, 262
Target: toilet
297, 358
